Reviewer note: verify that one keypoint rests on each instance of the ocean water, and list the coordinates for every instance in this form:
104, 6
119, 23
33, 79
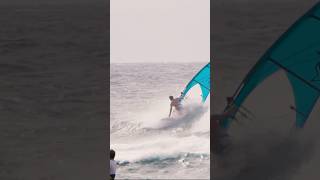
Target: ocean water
149, 145
53, 90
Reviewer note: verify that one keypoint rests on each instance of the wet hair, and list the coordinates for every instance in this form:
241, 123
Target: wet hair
112, 154
170, 97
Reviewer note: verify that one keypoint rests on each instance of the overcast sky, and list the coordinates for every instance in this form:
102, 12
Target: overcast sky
160, 30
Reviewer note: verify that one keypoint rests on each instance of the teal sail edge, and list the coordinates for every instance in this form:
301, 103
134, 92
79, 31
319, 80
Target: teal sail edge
202, 78
305, 99
296, 52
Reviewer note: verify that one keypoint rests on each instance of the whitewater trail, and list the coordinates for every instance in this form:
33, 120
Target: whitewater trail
156, 140
149, 132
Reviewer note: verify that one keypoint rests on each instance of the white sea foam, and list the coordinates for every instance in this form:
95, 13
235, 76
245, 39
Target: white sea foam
144, 138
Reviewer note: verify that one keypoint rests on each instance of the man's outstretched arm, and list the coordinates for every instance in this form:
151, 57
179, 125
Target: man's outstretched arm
170, 111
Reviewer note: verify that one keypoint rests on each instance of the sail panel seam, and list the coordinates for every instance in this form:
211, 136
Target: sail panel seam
294, 74
315, 17
202, 85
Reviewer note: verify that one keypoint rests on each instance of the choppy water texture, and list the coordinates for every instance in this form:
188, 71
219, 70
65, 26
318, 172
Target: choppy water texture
53, 91
147, 143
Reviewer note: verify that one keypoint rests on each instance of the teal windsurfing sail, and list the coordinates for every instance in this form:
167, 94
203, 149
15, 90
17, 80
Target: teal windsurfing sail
297, 53
202, 78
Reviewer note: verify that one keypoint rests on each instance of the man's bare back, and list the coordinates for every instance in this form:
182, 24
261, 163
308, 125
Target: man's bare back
176, 103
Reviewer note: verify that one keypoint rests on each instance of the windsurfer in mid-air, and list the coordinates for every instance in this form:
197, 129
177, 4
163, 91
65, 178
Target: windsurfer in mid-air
176, 103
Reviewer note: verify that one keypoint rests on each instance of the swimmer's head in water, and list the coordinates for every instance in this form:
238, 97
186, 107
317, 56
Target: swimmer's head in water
112, 154
171, 98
